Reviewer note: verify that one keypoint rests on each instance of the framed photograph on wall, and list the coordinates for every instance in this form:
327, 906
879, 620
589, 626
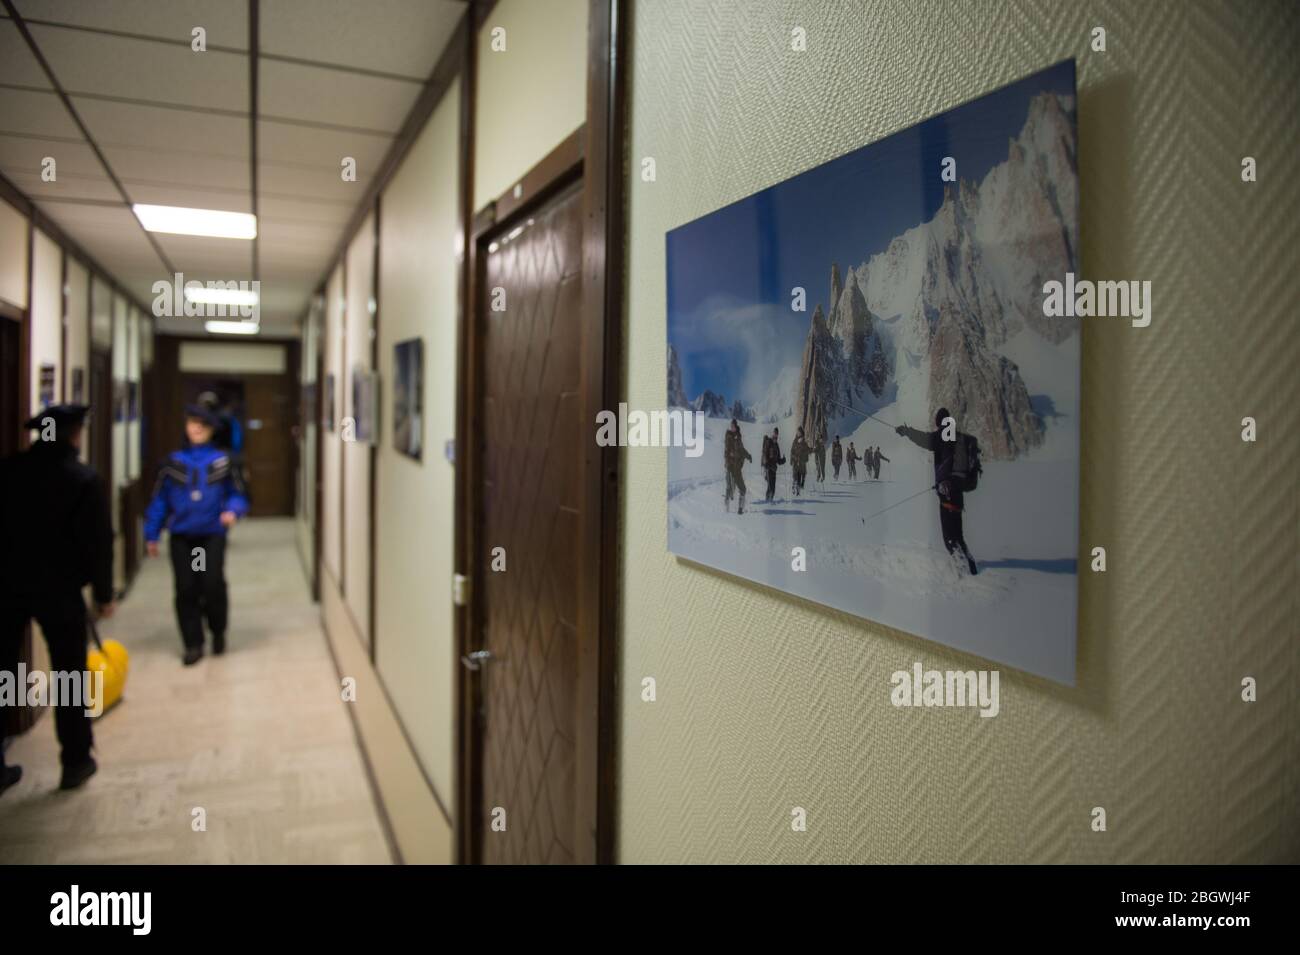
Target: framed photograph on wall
327, 405
46, 386
408, 397
365, 408
906, 437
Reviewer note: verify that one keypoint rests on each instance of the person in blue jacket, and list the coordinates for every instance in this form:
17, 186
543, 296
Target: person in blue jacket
199, 494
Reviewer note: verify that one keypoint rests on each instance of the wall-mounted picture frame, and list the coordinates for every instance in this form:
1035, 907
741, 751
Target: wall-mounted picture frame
119, 401
46, 385
906, 414
408, 397
327, 404
365, 404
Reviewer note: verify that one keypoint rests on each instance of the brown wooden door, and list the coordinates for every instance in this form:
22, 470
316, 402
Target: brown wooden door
528, 502
270, 452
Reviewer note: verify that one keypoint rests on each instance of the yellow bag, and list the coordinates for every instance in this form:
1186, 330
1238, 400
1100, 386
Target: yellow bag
110, 657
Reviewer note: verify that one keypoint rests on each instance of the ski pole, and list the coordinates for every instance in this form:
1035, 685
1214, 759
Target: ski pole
903, 501
863, 413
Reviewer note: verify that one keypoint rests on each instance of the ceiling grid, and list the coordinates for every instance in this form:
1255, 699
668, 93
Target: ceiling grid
259, 122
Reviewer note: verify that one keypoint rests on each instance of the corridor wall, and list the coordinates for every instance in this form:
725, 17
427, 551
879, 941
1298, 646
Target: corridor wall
532, 94
77, 344
13, 256
530, 97
357, 346
415, 648
331, 460
766, 702
46, 316
310, 433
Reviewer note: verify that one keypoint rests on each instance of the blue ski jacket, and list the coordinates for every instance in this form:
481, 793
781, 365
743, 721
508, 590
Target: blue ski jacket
195, 485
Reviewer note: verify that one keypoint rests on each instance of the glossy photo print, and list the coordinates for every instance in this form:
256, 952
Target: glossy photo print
891, 421
408, 397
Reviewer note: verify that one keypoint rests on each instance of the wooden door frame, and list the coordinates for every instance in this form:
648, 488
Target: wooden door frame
593, 154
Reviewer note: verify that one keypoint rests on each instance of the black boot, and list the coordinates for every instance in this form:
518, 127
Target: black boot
77, 773
192, 656
218, 644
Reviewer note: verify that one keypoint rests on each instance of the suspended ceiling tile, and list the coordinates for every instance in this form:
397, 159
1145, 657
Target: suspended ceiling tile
17, 64
144, 69
223, 259
284, 295
314, 146
27, 154
134, 125
291, 209
36, 114
320, 95
165, 167
224, 200
403, 37
86, 219
302, 237
299, 277
226, 21
312, 182
70, 187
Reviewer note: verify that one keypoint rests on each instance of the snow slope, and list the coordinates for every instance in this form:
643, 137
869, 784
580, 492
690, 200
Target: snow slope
892, 567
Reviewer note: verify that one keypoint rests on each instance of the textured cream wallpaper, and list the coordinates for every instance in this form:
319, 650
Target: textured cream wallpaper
767, 702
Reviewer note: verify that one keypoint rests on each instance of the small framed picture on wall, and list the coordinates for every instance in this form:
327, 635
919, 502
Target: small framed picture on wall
365, 409
408, 397
327, 406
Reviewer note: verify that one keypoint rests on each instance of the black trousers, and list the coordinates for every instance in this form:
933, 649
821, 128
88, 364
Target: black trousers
199, 593
950, 524
63, 621
771, 482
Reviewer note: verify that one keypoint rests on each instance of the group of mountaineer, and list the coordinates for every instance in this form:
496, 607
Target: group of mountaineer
956, 469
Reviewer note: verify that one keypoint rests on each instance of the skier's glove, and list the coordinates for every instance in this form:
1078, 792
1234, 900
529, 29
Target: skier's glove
943, 488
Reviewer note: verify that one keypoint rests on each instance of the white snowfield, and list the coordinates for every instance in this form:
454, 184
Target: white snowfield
887, 563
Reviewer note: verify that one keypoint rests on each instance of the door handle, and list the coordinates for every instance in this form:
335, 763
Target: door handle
476, 659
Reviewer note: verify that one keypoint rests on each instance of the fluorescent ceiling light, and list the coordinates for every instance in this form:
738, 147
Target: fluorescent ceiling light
232, 328
208, 222
222, 296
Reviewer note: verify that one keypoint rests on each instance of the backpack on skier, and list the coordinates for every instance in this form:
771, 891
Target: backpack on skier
966, 465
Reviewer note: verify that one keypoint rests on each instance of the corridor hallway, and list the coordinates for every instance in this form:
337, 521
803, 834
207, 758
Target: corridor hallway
259, 738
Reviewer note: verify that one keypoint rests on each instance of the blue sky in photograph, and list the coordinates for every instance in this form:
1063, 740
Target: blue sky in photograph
732, 270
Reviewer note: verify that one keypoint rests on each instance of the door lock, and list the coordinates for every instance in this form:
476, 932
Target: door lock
476, 659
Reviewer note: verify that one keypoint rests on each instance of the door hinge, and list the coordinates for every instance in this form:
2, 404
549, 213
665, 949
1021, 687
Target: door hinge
459, 590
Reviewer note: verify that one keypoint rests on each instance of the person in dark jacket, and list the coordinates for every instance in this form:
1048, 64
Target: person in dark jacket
56, 536
852, 459
799, 452
198, 495
837, 456
734, 457
771, 459
819, 455
946, 482
876, 458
